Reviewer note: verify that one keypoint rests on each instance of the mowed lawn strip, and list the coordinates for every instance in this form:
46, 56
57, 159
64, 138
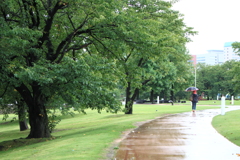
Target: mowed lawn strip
228, 125
218, 102
83, 136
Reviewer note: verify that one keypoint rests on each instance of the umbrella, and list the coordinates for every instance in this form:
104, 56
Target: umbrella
189, 89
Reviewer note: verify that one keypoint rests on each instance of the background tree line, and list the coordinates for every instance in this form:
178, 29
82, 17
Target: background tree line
218, 80
212, 81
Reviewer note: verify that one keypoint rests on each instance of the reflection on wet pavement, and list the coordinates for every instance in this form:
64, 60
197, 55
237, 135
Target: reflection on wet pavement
185, 136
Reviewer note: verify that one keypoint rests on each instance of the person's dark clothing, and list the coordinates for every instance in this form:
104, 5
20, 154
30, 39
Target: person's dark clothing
194, 98
194, 101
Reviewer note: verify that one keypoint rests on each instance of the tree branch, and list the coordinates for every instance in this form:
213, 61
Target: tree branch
5, 90
79, 47
25, 93
49, 22
103, 45
140, 62
63, 46
71, 21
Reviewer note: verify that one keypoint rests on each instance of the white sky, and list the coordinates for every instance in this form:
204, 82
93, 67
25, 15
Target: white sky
217, 22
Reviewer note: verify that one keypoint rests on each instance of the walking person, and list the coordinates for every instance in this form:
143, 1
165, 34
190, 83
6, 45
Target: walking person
194, 99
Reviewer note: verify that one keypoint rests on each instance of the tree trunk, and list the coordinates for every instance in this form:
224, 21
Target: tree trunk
23, 125
38, 118
137, 96
208, 97
130, 99
22, 116
151, 96
172, 94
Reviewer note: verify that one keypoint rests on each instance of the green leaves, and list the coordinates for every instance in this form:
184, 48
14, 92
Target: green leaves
236, 47
78, 52
218, 79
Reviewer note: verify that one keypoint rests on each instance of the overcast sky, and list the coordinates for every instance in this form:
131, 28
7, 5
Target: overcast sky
217, 21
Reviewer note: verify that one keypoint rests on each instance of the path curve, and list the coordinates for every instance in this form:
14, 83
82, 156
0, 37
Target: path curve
184, 136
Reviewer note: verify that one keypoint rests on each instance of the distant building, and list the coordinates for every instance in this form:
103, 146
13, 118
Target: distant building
213, 57
193, 60
229, 54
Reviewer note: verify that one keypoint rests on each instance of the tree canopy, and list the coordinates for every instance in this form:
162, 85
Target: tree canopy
218, 79
160, 51
50, 52
76, 52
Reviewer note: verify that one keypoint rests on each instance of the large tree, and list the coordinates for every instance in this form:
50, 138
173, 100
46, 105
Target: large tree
58, 50
145, 58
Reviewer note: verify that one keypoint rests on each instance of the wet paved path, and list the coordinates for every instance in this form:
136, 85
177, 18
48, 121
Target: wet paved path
185, 136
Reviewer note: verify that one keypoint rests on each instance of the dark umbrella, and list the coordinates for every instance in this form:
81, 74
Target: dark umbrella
190, 89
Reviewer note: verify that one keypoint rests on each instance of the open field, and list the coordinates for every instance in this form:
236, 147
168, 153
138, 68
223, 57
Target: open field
87, 137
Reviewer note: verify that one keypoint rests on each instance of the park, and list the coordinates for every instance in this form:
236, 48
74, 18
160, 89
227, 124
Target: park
96, 136
72, 73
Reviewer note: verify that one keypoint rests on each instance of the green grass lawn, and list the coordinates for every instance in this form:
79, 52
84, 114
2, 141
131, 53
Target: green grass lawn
217, 102
228, 125
86, 137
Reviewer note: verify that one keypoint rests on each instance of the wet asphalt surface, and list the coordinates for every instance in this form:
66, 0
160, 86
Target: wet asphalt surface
185, 136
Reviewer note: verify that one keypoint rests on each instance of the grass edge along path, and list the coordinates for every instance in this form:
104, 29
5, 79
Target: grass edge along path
228, 125
85, 137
